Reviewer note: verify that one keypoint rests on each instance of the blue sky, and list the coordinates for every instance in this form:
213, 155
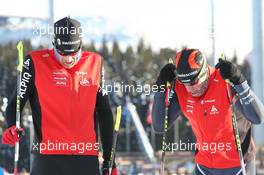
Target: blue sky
162, 23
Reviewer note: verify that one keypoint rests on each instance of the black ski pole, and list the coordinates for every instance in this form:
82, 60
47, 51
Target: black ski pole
116, 129
19, 68
234, 123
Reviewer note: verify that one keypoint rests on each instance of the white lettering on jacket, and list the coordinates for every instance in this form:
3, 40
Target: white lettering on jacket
24, 83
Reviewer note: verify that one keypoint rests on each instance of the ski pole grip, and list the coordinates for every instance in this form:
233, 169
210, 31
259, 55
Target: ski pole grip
223, 56
170, 60
167, 102
20, 56
118, 117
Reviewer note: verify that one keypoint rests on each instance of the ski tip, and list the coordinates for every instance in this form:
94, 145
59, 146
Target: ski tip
118, 117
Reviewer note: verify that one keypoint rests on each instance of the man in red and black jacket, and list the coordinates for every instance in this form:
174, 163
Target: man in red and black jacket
63, 87
200, 93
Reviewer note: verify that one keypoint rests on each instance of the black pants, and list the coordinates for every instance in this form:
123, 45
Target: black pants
64, 165
250, 170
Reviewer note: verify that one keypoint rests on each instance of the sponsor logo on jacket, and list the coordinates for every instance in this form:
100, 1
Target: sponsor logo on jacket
25, 79
59, 78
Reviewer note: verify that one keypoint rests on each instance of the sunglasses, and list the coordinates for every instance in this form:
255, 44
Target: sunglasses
76, 54
197, 81
201, 76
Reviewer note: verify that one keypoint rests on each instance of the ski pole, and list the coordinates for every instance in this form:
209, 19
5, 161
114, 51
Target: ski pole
165, 128
234, 123
19, 69
167, 103
116, 129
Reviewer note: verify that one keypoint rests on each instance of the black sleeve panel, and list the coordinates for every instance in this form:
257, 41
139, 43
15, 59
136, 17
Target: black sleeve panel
158, 111
106, 122
26, 85
249, 104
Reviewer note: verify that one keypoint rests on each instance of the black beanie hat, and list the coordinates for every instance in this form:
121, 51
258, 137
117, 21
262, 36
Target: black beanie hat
67, 35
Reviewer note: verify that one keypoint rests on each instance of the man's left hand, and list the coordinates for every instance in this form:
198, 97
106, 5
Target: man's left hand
230, 71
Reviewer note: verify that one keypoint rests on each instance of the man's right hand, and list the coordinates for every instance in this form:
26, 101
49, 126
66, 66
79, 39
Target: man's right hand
12, 135
167, 73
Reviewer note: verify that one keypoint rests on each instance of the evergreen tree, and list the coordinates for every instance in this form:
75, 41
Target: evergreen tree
90, 47
117, 57
141, 46
104, 49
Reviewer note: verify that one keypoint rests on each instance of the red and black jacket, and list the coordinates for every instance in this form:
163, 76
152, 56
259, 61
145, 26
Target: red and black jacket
210, 117
65, 103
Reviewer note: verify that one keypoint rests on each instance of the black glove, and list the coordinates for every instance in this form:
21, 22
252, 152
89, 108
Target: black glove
167, 73
105, 168
230, 71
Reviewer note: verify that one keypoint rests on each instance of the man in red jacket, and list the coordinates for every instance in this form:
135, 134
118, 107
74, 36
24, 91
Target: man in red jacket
200, 93
63, 87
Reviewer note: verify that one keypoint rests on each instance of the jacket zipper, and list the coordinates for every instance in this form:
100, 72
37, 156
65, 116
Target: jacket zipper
71, 95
